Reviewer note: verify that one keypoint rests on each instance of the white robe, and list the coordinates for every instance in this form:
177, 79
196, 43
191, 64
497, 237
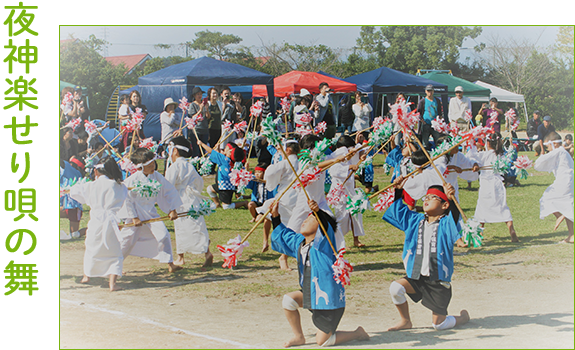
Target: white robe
339, 172
191, 234
459, 159
559, 196
301, 210
417, 185
105, 197
149, 240
280, 175
492, 197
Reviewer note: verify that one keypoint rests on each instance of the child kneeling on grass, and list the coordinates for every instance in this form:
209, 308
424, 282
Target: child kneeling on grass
320, 293
222, 192
427, 255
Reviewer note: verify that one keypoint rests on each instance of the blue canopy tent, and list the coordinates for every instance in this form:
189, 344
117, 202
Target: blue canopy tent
177, 81
390, 81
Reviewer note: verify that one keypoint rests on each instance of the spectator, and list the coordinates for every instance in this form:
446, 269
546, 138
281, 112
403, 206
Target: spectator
323, 107
79, 109
345, 114
495, 122
396, 127
214, 117
429, 108
542, 131
241, 110
68, 144
170, 122
228, 112
362, 112
533, 125
458, 106
136, 102
568, 144
198, 106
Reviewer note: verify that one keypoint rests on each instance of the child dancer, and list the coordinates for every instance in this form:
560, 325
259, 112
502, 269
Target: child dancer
259, 192
69, 208
399, 158
277, 177
105, 196
492, 197
191, 234
222, 192
557, 198
320, 293
427, 256
339, 173
151, 240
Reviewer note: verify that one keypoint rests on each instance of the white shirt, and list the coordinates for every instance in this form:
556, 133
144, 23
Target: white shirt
457, 107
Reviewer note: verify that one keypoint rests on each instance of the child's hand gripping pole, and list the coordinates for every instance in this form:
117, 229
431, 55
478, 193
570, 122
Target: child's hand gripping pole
418, 170
351, 153
440, 176
108, 144
308, 199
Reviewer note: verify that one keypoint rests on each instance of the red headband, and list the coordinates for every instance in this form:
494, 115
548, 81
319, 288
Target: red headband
259, 168
77, 162
438, 193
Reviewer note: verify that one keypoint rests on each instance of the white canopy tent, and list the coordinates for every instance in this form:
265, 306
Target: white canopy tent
501, 95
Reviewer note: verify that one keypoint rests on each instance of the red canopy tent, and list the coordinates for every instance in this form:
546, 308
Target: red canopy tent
294, 81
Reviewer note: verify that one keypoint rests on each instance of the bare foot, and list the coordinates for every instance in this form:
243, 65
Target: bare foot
558, 222
115, 288
283, 263
403, 324
513, 235
85, 279
358, 244
265, 247
173, 268
295, 341
463, 317
209, 261
253, 220
179, 262
362, 334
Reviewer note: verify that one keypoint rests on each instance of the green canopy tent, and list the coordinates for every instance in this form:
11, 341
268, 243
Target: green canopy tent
452, 82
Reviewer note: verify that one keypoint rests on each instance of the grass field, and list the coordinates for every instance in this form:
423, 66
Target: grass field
380, 261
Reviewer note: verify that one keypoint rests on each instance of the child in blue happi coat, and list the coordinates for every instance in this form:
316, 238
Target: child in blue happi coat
320, 293
427, 255
69, 208
222, 192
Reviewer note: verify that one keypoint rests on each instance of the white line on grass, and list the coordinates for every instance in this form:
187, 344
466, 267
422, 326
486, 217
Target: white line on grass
158, 324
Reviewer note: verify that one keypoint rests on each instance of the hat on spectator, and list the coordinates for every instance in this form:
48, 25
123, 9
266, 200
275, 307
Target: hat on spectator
303, 92
458, 88
169, 101
429, 87
196, 89
547, 118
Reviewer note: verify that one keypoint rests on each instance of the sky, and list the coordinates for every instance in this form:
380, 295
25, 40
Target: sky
130, 40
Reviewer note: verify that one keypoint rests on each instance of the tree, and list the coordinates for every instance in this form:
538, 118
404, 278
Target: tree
409, 48
215, 43
81, 64
565, 41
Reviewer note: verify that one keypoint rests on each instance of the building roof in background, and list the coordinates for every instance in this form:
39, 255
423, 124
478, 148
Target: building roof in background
130, 61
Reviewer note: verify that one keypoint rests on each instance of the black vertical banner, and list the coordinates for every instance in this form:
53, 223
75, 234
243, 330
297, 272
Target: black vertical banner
21, 149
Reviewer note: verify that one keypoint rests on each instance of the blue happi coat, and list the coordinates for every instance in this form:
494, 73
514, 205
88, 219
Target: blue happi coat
400, 216
325, 293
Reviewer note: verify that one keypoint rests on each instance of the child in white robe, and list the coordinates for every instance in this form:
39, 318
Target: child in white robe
151, 240
105, 196
279, 176
492, 197
339, 173
191, 234
557, 198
